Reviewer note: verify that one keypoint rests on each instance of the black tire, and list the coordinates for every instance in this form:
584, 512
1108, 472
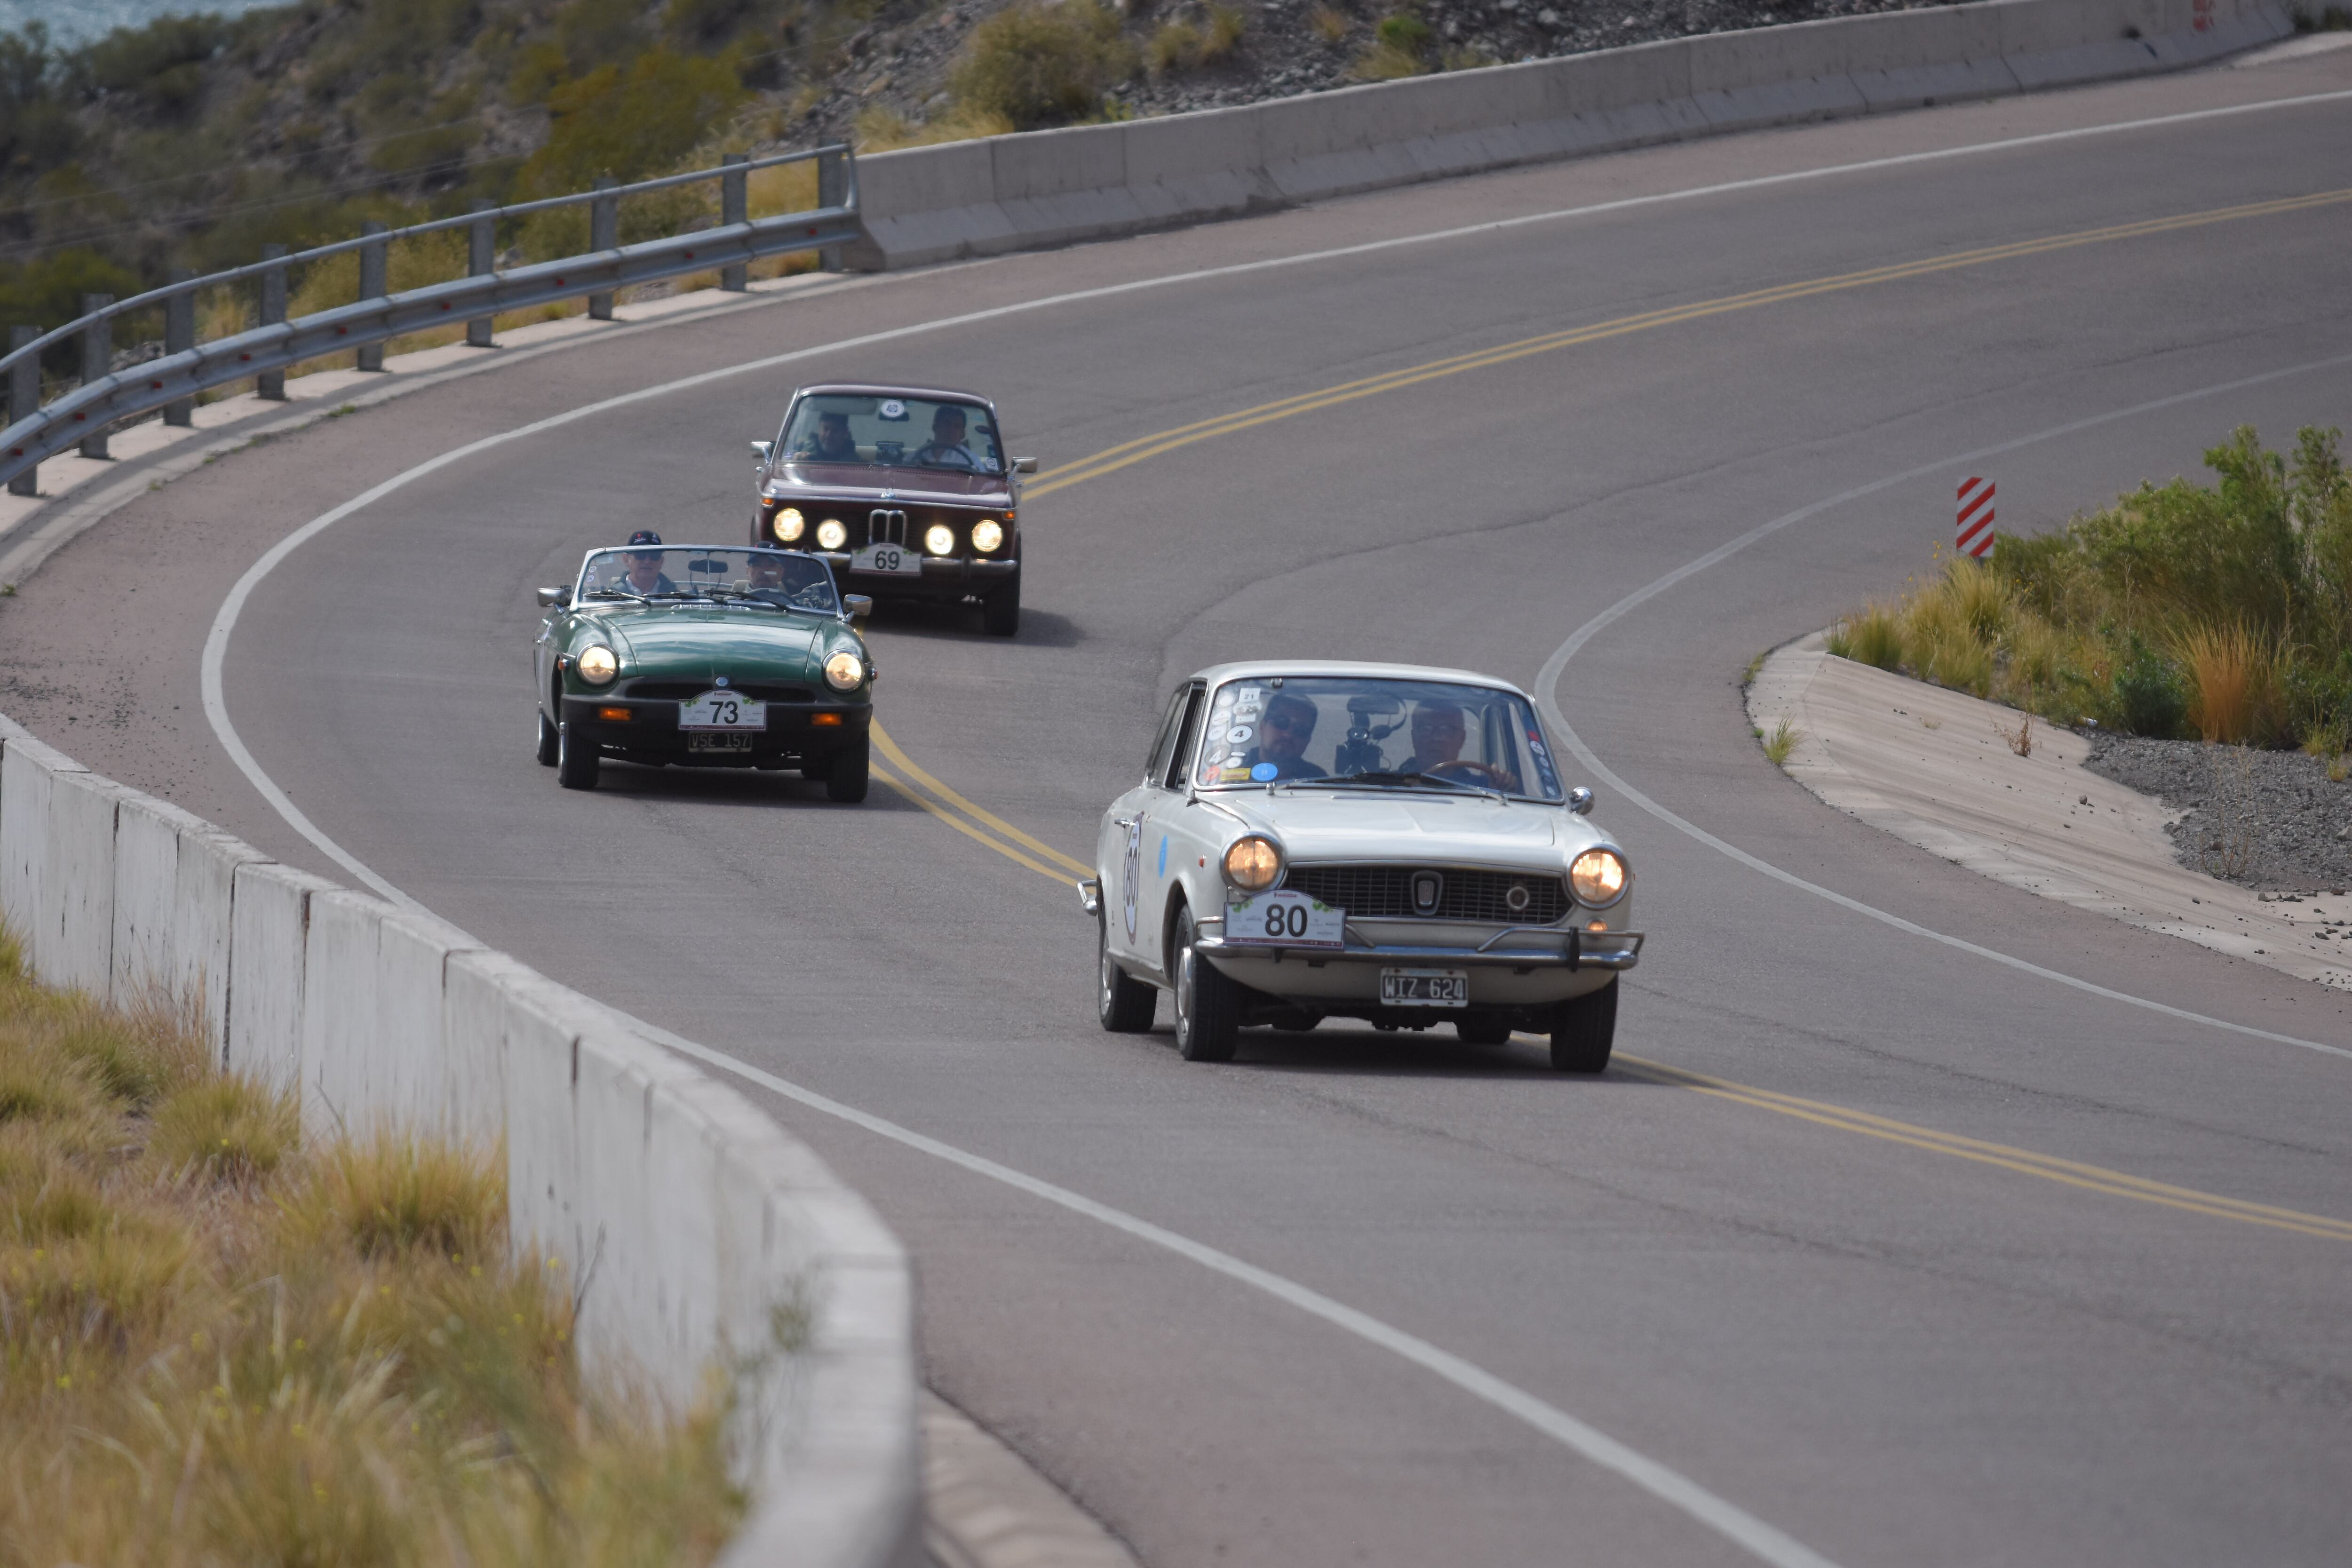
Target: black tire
1483, 1031
1584, 1031
550, 742
1000, 613
845, 773
576, 761
1208, 1005
1123, 1004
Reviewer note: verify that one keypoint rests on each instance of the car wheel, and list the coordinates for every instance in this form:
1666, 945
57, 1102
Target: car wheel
813, 769
550, 742
1000, 613
575, 761
1583, 1031
844, 775
1208, 1004
1483, 1031
1123, 1004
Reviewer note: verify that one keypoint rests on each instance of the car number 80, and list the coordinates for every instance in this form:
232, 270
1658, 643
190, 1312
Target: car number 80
1284, 918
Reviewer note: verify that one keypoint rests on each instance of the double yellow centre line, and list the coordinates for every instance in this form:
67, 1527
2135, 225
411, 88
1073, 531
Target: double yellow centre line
901, 772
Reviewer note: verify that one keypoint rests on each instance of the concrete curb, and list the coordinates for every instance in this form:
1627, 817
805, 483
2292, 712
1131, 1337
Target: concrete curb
695, 1230
1042, 188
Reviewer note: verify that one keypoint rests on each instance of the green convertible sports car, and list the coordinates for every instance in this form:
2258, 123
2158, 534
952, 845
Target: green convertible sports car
706, 658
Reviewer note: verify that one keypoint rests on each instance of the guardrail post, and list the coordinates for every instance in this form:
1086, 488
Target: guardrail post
831, 190
481, 256
604, 233
271, 384
179, 337
735, 207
97, 360
24, 398
374, 264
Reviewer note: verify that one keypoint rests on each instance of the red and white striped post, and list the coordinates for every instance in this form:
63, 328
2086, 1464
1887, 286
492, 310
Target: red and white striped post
1975, 536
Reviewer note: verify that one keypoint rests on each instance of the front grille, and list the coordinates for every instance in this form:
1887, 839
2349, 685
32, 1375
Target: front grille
686, 690
1385, 892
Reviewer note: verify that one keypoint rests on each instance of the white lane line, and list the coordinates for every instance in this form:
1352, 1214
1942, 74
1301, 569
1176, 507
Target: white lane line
1547, 682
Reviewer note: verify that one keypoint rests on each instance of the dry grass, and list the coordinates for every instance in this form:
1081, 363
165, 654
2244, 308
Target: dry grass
2237, 683
881, 128
1781, 741
218, 1347
1328, 24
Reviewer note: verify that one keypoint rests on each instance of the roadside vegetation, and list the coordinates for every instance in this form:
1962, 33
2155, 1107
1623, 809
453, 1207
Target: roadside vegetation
219, 1344
2219, 612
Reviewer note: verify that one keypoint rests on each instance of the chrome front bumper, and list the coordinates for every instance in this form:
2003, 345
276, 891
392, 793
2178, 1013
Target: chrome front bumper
1568, 950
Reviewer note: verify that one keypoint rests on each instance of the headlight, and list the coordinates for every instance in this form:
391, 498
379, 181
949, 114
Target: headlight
1253, 864
843, 671
789, 523
1598, 877
939, 539
986, 535
831, 535
598, 664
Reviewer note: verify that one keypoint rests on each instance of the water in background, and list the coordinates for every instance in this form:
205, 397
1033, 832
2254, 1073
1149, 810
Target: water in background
73, 22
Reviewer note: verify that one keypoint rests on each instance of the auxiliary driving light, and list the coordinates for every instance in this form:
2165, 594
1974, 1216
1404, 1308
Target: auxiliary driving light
831, 535
789, 524
598, 664
1253, 863
843, 670
986, 535
938, 539
1599, 878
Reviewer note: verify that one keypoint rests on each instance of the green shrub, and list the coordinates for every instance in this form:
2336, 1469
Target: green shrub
2148, 695
1035, 65
629, 123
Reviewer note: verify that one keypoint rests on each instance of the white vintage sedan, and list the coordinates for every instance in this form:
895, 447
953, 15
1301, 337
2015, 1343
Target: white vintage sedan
1373, 841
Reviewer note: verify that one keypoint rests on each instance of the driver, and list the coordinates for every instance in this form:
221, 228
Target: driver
1283, 734
645, 574
1438, 736
832, 443
947, 449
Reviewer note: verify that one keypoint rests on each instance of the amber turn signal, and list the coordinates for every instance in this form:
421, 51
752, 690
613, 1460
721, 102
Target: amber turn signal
615, 715
825, 721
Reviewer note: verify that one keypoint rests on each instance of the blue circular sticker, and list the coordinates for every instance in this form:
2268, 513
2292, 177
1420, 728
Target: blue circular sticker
1264, 772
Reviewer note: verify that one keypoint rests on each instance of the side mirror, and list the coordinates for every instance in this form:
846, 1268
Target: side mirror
1580, 800
761, 448
554, 598
858, 606
1024, 465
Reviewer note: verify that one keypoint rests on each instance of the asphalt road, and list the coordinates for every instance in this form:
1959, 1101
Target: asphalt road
1892, 1346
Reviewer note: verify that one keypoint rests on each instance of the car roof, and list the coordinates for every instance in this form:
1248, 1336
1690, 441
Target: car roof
1255, 668
885, 389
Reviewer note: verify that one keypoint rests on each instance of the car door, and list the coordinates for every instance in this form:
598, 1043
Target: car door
1165, 848
542, 657
1118, 849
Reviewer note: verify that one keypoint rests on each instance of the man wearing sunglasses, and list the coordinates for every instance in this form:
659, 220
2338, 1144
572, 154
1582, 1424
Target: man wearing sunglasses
644, 575
1283, 734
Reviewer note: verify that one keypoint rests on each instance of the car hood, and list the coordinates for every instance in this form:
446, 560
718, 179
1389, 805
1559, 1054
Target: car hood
703, 641
1361, 825
861, 481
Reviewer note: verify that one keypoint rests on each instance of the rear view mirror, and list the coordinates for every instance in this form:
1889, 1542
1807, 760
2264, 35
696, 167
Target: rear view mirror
761, 448
554, 598
1024, 465
858, 606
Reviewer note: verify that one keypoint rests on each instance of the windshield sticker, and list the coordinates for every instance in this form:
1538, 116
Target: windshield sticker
1239, 735
892, 409
1543, 764
1233, 775
1264, 772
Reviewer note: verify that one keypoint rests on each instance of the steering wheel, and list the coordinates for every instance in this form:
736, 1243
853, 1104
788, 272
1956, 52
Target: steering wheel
1472, 772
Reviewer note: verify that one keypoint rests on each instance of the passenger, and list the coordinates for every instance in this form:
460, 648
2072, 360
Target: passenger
1438, 736
1283, 734
947, 449
832, 443
644, 575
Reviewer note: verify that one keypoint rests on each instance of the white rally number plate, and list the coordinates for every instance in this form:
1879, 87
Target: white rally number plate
1285, 918
722, 710
1424, 988
893, 559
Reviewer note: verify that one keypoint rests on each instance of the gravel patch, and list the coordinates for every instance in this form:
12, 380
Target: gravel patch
2272, 820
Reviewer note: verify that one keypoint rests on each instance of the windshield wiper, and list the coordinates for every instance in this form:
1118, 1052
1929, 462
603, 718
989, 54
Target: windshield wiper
615, 594
725, 598
1384, 779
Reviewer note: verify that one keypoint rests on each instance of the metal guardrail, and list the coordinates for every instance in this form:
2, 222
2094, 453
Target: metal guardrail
81, 417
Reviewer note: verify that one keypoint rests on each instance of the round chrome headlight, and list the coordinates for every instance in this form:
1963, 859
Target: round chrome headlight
789, 524
987, 534
1254, 864
938, 539
598, 664
1599, 878
831, 535
843, 671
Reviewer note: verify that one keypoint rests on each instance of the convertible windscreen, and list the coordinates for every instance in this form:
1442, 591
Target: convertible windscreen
1374, 734
776, 579
894, 432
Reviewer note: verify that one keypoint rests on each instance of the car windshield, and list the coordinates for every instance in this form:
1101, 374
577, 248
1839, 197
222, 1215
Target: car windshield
896, 432
1374, 733
773, 579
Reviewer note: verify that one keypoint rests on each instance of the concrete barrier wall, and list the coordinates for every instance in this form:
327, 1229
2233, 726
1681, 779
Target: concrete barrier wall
694, 1233
1042, 188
